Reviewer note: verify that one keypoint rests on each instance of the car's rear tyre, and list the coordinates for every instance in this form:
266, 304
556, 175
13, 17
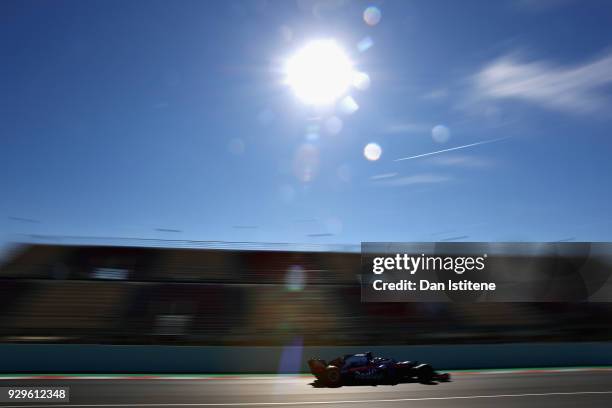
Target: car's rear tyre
425, 373
332, 377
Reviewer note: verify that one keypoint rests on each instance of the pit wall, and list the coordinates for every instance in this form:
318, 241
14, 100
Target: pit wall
70, 358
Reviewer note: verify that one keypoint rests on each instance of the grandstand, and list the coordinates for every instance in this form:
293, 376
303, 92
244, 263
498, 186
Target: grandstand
208, 296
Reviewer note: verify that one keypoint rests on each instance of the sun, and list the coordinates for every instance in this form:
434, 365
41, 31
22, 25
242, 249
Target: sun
319, 73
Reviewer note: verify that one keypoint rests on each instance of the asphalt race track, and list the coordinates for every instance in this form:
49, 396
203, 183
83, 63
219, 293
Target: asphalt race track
588, 387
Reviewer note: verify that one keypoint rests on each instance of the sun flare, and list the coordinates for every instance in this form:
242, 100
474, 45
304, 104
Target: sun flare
319, 73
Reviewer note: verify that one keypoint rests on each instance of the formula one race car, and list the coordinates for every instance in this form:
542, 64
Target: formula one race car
364, 368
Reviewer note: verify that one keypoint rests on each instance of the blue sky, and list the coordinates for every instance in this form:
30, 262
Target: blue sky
133, 118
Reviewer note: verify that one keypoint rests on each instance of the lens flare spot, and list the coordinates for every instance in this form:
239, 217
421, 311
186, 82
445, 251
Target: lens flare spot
348, 106
372, 15
312, 133
365, 44
361, 81
333, 125
440, 134
295, 278
306, 163
372, 151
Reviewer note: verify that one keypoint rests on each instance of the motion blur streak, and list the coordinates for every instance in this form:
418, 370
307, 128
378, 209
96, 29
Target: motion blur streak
105, 294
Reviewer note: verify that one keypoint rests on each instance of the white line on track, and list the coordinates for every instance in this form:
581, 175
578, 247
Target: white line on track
250, 404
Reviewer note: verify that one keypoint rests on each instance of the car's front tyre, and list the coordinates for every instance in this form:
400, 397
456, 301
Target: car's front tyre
332, 377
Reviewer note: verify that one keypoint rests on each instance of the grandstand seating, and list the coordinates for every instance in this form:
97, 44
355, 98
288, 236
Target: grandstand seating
246, 297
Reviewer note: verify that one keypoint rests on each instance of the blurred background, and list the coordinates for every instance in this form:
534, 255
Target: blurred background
208, 129
200, 294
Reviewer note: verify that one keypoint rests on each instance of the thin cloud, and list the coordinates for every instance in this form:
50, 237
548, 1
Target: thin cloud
320, 235
573, 89
457, 238
461, 161
425, 178
25, 220
452, 149
383, 176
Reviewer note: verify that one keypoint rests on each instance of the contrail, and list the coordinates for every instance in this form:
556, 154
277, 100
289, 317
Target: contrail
453, 148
